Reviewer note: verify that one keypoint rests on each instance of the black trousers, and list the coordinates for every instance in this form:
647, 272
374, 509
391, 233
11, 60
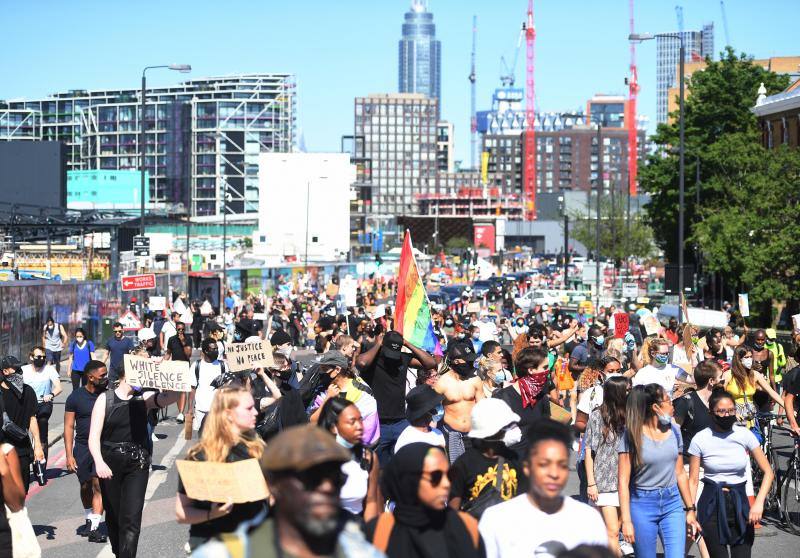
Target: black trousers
123, 500
78, 379
719, 550
25, 459
43, 412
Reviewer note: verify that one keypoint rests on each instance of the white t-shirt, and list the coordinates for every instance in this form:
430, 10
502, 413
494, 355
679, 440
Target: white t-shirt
204, 393
354, 489
724, 454
41, 382
665, 377
573, 525
487, 331
411, 435
168, 329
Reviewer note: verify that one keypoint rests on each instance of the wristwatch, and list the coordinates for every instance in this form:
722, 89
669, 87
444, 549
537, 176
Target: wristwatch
690, 508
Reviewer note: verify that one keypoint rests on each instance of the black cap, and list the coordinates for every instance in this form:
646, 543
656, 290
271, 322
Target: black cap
420, 400
10, 361
461, 349
280, 337
392, 345
214, 326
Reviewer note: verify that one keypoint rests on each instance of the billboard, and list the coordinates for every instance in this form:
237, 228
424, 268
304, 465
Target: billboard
32, 173
484, 237
106, 189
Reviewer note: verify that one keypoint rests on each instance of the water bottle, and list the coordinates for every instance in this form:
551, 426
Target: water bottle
40, 471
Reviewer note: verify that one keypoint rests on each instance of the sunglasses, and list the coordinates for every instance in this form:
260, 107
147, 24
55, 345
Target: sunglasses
312, 478
435, 477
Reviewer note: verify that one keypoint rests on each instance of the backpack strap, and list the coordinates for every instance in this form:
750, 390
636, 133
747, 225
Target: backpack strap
109, 402
383, 530
472, 527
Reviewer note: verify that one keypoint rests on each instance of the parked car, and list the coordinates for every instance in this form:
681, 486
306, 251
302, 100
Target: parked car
439, 300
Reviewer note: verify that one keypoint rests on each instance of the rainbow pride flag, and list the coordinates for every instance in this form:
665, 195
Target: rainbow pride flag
412, 314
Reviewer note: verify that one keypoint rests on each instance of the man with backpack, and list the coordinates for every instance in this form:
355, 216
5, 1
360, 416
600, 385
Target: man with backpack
203, 373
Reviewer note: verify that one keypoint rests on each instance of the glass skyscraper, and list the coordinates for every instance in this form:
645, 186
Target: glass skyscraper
420, 54
699, 44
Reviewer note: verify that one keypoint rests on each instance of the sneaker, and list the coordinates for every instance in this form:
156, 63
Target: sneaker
97, 537
180, 418
84, 530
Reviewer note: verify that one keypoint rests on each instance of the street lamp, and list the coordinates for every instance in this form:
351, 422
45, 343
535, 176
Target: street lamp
184, 69
639, 37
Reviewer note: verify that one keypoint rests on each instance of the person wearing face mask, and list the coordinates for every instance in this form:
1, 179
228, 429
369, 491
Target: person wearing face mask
461, 388
475, 338
19, 404
228, 436
360, 493
654, 496
763, 362
423, 411
53, 338
422, 525
488, 473
81, 351
77, 418
746, 384
203, 373
492, 374
723, 510
44, 380
661, 371
778, 356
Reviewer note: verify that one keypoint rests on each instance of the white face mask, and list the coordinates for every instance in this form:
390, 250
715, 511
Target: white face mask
747, 362
512, 436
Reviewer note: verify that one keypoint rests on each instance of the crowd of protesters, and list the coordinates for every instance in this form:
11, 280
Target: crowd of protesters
373, 446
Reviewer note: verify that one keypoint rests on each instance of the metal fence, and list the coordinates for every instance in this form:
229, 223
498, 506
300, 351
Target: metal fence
92, 305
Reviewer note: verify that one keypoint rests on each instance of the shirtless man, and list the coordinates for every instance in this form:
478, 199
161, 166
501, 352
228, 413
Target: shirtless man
461, 388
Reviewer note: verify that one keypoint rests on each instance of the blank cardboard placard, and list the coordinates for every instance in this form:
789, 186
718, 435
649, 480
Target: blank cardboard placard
796, 321
208, 481
744, 305
244, 356
473, 307
651, 325
157, 302
167, 375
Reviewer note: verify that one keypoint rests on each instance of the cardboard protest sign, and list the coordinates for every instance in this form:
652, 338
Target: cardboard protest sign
168, 375
744, 305
651, 325
240, 481
796, 321
157, 302
244, 356
621, 323
473, 307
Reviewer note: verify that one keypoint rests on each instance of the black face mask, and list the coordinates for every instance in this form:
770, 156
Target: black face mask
463, 369
724, 423
38, 362
102, 384
212, 355
758, 346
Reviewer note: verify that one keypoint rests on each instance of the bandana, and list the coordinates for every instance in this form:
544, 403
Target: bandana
16, 383
531, 386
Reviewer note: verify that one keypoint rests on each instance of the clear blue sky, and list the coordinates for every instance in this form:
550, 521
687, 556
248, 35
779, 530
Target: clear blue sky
340, 49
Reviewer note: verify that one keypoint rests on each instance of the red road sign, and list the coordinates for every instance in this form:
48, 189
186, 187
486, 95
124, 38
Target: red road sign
138, 282
130, 322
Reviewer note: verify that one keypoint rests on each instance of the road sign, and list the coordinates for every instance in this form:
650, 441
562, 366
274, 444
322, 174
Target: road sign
630, 290
138, 282
130, 322
141, 246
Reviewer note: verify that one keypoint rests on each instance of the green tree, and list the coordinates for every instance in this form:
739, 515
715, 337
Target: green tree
616, 241
457, 244
718, 106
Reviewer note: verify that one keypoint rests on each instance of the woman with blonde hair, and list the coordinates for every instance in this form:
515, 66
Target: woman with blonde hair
491, 374
228, 436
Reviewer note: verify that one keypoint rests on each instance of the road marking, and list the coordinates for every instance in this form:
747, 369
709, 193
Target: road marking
157, 478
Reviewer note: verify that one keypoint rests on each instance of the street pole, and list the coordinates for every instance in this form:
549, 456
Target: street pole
224, 231
566, 246
597, 224
681, 176
142, 152
308, 201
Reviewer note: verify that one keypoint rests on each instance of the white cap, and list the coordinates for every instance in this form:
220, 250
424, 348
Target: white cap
490, 416
146, 334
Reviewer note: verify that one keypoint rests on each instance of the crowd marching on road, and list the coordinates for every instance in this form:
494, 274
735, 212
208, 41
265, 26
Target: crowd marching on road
370, 445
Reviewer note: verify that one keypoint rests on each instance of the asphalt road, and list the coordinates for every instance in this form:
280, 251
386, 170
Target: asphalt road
56, 511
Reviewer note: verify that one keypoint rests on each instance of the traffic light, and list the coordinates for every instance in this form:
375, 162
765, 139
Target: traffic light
378, 259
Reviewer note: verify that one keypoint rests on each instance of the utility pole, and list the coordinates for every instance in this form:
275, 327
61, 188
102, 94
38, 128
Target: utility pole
682, 173
597, 224
308, 201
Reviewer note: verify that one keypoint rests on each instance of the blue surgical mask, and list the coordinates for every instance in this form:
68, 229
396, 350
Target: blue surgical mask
599, 340
342, 442
499, 377
664, 420
661, 358
438, 414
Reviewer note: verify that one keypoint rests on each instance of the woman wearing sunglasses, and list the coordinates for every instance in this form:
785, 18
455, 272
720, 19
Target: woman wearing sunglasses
422, 525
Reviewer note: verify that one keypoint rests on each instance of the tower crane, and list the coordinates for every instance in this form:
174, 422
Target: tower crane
725, 22
508, 75
473, 114
630, 117
530, 116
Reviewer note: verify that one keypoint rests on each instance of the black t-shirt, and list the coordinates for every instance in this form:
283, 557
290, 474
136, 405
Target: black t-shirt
473, 473
175, 347
127, 421
387, 378
20, 411
693, 416
240, 512
528, 415
245, 328
81, 402
791, 384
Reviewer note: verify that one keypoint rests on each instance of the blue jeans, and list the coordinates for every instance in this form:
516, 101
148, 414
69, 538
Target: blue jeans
389, 435
658, 513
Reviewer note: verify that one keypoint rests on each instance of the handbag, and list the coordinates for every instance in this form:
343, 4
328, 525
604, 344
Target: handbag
487, 498
23, 537
270, 424
14, 433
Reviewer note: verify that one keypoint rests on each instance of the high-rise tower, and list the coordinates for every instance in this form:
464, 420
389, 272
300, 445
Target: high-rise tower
420, 54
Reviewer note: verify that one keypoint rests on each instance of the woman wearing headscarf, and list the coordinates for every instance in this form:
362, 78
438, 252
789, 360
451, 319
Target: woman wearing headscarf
422, 525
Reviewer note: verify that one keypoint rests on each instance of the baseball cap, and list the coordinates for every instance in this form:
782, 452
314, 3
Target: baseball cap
420, 400
392, 345
146, 334
10, 361
771, 333
489, 416
461, 349
214, 326
334, 358
299, 448
280, 337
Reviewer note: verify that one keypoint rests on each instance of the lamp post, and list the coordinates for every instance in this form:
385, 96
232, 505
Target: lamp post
639, 37
184, 69
597, 224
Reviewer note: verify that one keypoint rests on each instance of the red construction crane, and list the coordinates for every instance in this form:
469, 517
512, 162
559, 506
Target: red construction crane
630, 117
530, 116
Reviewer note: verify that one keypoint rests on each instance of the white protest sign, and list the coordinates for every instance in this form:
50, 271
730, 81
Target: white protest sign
744, 305
247, 355
178, 306
167, 375
206, 309
796, 321
651, 325
157, 302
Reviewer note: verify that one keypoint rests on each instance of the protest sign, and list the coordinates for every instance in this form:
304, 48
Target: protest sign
473, 307
168, 375
796, 321
157, 302
651, 325
244, 356
744, 305
621, 323
209, 481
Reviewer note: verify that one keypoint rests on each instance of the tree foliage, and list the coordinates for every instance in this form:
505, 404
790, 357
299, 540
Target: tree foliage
717, 117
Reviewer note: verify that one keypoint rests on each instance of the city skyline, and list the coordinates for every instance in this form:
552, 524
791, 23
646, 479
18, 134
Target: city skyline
348, 50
